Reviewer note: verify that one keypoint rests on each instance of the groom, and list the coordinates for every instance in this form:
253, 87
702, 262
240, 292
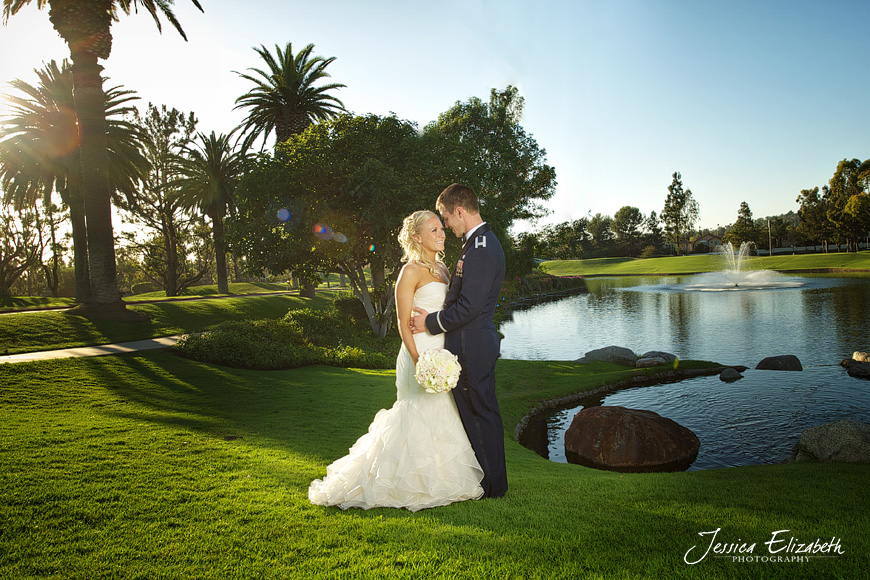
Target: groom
471, 334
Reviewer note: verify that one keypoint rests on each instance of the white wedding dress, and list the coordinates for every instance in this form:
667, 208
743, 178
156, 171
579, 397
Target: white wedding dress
416, 454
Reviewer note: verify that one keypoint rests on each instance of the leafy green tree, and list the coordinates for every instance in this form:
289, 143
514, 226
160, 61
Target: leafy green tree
39, 153
680, 213
157, 205
333, 198
600, 228
654, 235
208, 171
567, 240
776, 227
86, 28
858, 207
744, 229
813, 225
484, 146
286, 98
627, 223
18, 248
850, 178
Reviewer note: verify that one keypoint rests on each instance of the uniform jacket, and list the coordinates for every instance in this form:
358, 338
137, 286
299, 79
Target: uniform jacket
474, 287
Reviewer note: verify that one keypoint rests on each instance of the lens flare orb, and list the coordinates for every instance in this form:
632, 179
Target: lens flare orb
283, 214
340, 238
323, 232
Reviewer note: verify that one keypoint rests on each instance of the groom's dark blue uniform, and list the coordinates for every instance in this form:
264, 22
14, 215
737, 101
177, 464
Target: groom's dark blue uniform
472, 336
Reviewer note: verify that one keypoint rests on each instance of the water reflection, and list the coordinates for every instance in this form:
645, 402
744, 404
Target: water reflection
755, 420
821, 322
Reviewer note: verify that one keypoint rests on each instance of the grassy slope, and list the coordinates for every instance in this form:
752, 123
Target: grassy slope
46, 302
703, 263
50, 330
154, 466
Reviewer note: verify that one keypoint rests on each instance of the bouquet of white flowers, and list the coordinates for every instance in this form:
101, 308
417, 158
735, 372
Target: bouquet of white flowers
437, 370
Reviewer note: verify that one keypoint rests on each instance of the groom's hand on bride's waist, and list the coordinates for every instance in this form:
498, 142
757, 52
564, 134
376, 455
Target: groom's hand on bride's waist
418, 320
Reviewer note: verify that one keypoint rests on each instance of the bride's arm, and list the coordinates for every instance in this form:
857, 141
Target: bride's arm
407, 283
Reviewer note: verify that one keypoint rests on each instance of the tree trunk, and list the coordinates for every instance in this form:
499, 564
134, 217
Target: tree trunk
308, 290
90, 105
220, 253
170, 248
80, 248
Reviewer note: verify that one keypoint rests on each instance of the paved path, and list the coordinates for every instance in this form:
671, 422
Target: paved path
98, 350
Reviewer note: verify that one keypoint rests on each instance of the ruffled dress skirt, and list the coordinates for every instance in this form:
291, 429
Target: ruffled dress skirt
415, 455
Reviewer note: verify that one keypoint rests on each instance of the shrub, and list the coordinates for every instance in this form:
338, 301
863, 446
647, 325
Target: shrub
251, 344
350, 306
302, 337
648, 252
143, 287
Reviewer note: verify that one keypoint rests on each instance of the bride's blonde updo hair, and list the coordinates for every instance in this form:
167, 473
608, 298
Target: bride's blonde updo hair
413, 249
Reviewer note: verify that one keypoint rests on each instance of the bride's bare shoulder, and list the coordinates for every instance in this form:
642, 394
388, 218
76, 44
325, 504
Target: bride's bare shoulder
411, 272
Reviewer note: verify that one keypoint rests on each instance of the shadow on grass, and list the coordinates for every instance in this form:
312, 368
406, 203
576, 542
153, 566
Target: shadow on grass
316, 411
566, 520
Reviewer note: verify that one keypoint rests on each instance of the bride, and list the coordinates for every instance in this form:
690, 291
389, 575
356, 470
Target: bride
415, 455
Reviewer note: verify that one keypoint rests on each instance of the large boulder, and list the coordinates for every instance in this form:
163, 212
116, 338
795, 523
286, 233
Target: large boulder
838, 442
620, 439
783, 362
729, 375
612, 354
859, 370
665, 356
649, 362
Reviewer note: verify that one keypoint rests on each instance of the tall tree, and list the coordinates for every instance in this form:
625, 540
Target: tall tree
680, 213
333, 198
652, 227
39, 153
813, 223
19, 249
86, 27
744, 229
208, 171
627, 222
285, 98
602, 235
486, 148
157, 205
852, 177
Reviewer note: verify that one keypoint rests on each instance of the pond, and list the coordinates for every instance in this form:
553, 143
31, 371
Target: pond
758, 419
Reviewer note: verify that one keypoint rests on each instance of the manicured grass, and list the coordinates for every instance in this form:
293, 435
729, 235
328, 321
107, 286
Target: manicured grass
34, 303
206, 290
153, 466
704, 263
27, 332
211, 290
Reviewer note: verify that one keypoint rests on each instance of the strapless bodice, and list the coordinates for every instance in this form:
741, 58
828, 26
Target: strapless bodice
430, 297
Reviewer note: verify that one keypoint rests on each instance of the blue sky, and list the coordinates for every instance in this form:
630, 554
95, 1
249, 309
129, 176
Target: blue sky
750, 100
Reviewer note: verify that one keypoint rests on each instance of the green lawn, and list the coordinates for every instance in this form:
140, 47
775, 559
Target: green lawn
207, 290
704, 263
27, 332
153, 466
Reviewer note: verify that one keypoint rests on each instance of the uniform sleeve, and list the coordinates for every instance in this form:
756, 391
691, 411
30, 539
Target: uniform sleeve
480, 270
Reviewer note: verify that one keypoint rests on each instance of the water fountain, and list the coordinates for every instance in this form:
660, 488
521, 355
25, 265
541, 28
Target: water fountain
733, 277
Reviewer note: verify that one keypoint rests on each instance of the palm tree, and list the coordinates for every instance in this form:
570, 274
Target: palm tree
86, 27
39, 152
284, 98
208, 172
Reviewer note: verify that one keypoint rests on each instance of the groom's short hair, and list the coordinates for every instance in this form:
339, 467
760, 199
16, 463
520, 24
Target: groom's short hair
457, 195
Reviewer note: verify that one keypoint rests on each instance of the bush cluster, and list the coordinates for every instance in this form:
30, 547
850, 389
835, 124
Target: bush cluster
302, 337
536, 283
